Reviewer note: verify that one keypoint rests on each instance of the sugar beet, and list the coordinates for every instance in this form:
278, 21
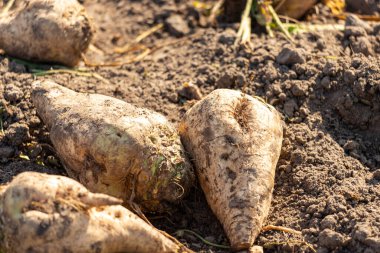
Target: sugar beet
113, 147
235, 142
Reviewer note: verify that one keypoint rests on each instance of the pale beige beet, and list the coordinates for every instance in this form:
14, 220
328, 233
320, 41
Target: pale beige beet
46, 31
46, 213
113, 147
235, 142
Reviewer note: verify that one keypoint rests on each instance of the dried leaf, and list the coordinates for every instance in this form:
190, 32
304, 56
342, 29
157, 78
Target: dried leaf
336, 6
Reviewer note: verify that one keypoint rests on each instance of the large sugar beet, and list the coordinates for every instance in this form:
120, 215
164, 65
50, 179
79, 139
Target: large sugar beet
45, 213
46, 31
235, 142
113, 147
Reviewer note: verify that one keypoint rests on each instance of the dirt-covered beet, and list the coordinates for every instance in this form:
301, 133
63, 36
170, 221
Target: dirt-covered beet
235, 142
115, 148
325, 85
48, 213
46, 31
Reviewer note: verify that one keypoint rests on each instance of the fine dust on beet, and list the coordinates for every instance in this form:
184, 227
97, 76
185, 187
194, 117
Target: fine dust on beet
326, 87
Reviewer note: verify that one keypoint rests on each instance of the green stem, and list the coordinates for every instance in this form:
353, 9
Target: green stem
279, 23
244, 21
269, 30
37, 66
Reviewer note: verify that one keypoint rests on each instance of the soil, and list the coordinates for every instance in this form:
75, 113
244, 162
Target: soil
326, 85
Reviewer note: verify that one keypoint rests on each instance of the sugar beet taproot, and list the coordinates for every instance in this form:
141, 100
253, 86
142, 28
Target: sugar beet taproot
235, 142
48, 213
114, 147
46, 31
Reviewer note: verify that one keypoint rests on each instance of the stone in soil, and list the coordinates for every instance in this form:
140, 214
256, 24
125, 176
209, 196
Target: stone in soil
177, 26
290, 56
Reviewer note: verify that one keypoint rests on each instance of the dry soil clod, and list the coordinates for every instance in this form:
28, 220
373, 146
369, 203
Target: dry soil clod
114, 147
49, 213
235, 142
46, 31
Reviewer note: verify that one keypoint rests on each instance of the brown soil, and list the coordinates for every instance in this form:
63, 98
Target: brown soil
325, 84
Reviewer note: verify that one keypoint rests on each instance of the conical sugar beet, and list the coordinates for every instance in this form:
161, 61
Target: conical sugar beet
113, 147
48, 213
46, 31
235, 142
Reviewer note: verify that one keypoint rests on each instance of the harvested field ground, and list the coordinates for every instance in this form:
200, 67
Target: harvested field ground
326, 84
